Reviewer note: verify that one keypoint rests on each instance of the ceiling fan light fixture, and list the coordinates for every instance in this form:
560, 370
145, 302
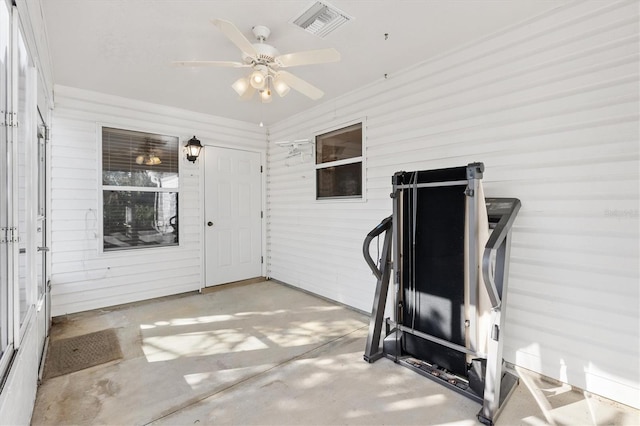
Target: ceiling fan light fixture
240, 86
281, 87
265, 95
258, 79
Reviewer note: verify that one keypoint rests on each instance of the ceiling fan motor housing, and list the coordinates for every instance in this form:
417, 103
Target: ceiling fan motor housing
266, 54
261, 32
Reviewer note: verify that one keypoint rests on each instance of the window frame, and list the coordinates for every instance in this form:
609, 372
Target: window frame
134, 250
8, 315
353, 160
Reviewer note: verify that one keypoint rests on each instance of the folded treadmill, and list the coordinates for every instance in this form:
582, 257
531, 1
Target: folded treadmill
448, 247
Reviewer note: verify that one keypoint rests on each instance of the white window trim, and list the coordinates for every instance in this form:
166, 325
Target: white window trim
141, 251
353, 160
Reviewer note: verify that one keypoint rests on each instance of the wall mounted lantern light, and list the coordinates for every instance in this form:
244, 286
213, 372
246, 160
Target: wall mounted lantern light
193, 149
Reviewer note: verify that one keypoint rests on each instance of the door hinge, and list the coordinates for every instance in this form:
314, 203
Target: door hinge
10, 119
261, 214
260, 169
261, 259
9, 235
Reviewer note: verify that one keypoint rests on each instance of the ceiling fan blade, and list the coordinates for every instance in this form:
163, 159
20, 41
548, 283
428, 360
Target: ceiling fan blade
236, 37
230, 64
300, 85
308, 57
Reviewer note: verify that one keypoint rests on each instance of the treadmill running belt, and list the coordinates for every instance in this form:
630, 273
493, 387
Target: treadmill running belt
436, 307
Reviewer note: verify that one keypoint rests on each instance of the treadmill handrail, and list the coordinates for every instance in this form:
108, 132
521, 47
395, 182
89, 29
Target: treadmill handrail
383, 226
496, 239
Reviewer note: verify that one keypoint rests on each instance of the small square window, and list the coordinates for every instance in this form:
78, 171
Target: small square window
340, 181
339, 163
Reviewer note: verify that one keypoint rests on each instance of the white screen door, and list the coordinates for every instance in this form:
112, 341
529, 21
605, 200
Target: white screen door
233, 223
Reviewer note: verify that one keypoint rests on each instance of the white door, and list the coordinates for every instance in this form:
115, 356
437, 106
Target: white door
233, 217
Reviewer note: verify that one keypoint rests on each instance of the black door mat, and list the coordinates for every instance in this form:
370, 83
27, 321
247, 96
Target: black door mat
77, 353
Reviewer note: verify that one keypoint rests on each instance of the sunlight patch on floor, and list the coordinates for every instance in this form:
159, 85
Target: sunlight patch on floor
203, 381
188, 321
307, 332
535, 421
215, 342
413, 403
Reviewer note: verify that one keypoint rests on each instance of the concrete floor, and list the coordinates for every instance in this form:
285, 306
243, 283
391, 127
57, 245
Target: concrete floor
268, 354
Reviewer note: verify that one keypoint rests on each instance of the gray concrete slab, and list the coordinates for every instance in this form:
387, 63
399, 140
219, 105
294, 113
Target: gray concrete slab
268, 354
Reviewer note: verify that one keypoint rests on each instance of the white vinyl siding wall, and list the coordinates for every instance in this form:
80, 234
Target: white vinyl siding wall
82, 277
550, 106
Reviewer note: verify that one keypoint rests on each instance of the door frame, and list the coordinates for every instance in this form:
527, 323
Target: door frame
263, 204
43, 302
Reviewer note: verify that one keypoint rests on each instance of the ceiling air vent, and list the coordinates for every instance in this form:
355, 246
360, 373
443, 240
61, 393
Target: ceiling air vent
321, 19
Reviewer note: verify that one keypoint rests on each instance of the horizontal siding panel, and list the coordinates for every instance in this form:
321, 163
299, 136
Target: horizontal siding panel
565, 345
128, 259
111, 298
153, 283
75, 152
71, 183
517, 136
518, 98
75, 163
90, 278
112, 279
65, 260
569, 305
551, 107
63, 173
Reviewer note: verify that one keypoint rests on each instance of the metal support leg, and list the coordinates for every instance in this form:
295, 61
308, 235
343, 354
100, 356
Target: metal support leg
373, 351
498, 383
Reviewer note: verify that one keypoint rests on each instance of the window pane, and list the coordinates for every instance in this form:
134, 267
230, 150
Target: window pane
340, 181
139, 159
5, 303
26, 136
339, 145
133, 219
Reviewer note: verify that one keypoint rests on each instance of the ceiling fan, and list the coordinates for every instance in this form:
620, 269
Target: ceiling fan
266, 63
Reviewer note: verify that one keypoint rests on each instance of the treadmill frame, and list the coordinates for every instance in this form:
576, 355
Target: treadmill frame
499, 382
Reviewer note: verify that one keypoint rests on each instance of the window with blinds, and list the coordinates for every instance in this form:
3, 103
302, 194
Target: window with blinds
140, 189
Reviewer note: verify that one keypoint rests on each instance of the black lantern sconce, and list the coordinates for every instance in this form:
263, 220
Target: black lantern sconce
193, 149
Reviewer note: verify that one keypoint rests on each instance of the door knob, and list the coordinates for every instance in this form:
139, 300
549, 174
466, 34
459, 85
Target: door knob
209, 223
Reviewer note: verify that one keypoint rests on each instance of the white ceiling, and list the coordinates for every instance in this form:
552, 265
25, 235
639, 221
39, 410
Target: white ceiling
125, 47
